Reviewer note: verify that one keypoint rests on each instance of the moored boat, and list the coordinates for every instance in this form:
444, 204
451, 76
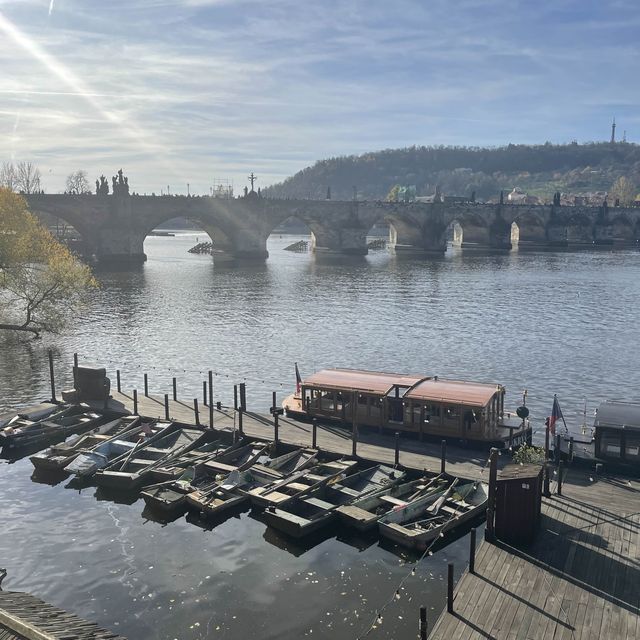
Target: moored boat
364, 513
23, 433
56, 457
421, 522
308, 513
136, 468
235, 489
301, 482
170, 497
469, 412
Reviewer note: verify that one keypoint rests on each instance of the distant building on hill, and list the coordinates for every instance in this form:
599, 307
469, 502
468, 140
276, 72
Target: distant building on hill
518, 196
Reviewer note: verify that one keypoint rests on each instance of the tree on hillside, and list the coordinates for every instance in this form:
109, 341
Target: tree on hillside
77, 183
41, 282
624, 190
8, 176
27, 177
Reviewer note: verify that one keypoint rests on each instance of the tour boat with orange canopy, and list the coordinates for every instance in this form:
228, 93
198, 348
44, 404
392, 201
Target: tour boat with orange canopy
470, 412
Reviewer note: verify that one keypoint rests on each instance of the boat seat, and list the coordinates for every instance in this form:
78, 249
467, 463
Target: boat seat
219, 466
321, 504
394, 501
349, 491
297, 486
315, 478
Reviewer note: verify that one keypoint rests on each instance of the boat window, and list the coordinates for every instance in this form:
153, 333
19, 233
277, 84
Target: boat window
632, 448
362, 399
610, 445
417, 412
326, 401
339, 401
451, 412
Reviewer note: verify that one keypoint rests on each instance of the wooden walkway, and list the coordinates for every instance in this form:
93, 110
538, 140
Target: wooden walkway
414, 454
23, 617
579, 580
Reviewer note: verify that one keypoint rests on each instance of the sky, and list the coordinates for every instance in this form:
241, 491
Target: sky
194, 92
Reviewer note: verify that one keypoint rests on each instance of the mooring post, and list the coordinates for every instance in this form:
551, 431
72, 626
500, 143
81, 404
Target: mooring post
75, 370
545, 490
450, 587
274, 401
196, 411
240, 412
472, 551
243, 396
275, 426
146, 385
135, 402
204, 393
443, 457
166, 406
559, 478
175, 389
211, 399
489, 532
75, 360
52, 377
423, 623
397, 456
235, 397
354, 424
571, 449
314, 433
118, 385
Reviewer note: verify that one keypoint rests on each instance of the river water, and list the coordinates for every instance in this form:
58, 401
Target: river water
564, 323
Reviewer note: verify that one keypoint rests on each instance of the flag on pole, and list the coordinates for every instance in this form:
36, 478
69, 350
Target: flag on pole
556, 414
298, 379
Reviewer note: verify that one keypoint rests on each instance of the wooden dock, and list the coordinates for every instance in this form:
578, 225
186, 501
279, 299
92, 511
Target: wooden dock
24, 617
579, 580
414, 454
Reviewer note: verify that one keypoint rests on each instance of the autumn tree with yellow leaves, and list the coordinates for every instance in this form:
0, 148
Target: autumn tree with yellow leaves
41, 282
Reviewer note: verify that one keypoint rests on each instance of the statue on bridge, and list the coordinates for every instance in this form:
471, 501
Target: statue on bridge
120, 184
102, 187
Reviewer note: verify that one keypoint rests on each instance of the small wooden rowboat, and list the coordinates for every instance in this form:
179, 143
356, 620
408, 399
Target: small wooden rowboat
55, 458
364, 513
309, 513
136, 469
417, 525
22, 433
301, 482
171, 497
234, 490
86, 463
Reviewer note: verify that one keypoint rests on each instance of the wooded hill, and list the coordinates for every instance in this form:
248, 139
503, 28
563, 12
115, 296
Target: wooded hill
539, 170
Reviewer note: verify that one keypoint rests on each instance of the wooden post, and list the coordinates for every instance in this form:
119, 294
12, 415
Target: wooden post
571, 449
423, 623
146, 385
472, 551
135, 402
490, 532
166, 406
450, 587
443, 457
545, 490
240, 412
118, 385
243, 396
560, 478
75, 360
175, 390
196, 411
235, 397
354, 424
211, 399
204, 393
397, 456
52, 377
75, 370
274, 401
314, 433
275, 427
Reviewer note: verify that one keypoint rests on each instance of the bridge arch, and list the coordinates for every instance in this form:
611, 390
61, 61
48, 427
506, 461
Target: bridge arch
528, 230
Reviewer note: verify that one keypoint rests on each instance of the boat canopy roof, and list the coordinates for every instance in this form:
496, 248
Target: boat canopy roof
618, 414
363, 381
475, 394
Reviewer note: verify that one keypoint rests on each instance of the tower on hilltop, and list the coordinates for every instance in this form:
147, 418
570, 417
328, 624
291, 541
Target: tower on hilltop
613, 131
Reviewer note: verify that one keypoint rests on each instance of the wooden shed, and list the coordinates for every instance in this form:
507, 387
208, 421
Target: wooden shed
518, 503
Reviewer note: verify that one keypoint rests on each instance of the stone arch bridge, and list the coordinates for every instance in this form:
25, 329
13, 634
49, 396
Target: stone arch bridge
113, 227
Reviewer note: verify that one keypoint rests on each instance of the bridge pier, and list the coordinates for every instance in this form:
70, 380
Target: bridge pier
340, 241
